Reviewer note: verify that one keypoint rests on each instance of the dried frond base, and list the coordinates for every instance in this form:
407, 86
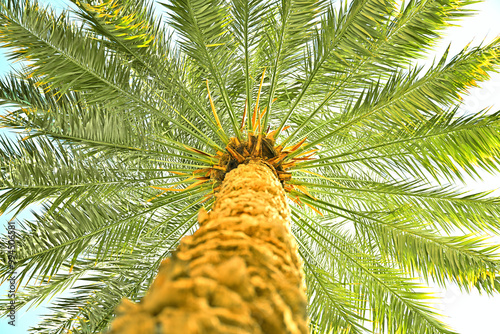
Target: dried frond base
241, 152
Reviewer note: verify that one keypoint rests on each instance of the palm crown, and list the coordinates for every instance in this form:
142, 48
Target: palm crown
124, 120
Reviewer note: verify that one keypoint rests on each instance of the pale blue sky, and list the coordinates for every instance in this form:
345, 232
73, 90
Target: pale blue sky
468, 314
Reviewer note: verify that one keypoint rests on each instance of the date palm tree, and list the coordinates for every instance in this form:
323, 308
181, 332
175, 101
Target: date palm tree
279, 166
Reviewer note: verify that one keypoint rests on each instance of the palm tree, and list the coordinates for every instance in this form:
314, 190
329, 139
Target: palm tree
178, 144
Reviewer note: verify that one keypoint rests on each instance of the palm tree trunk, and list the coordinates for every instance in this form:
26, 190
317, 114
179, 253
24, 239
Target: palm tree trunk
238, 273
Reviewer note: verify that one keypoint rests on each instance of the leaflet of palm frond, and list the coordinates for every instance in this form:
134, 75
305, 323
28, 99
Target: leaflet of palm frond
295, 199
197, 151
244, 115
295, 147
314, 209
260, 120
205, 171
304, 153
305, 191
254, 116
276, 161
306, 158
179, 173
272, 134
213, 109
191, 186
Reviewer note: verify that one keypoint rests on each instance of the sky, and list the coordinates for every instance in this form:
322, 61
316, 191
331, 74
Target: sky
465, 313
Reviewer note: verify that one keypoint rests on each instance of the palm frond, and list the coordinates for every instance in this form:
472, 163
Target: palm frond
408, 98
378, 287
202, 24
53, 45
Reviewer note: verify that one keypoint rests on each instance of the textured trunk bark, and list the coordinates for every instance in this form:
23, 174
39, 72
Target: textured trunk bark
238, 273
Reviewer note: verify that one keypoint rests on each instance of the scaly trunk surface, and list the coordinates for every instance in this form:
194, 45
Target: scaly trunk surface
238, 273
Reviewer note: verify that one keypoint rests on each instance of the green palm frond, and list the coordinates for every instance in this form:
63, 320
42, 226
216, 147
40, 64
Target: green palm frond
57, 43
137, 36
454, 145
407, 98
248, 22
118, 139
380, 288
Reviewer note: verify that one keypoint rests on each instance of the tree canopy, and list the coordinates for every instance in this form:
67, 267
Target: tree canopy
118, 106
